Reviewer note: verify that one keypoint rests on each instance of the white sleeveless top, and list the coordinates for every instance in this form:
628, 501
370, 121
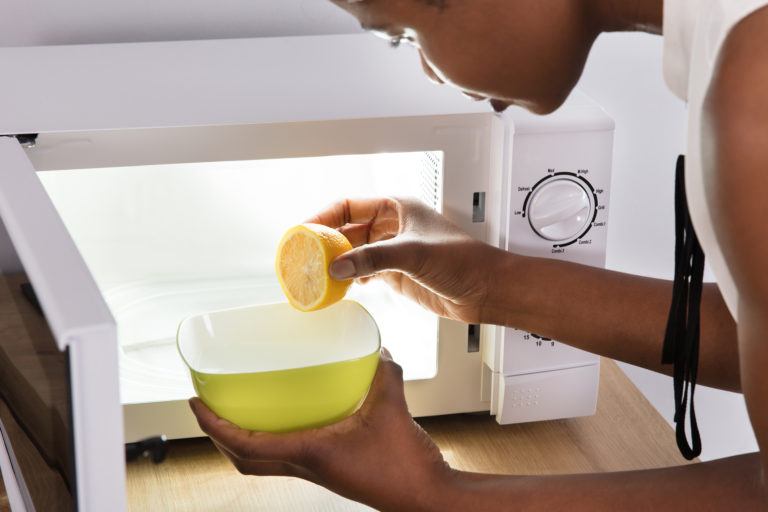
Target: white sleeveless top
694, 32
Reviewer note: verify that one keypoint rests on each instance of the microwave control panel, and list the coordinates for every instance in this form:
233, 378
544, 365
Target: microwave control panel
563, 214
558, 198
562, 208
556, 205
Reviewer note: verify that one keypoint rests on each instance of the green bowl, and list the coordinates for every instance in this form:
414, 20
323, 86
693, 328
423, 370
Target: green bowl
272, 368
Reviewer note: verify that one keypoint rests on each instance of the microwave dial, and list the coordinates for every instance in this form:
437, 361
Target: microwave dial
561, 207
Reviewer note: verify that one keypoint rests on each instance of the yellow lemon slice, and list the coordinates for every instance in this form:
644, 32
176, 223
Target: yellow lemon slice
303, 257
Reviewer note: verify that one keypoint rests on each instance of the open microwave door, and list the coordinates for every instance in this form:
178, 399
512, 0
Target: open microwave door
60, 408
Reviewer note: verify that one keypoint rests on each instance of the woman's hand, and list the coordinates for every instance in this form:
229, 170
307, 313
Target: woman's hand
378, 456
418, 252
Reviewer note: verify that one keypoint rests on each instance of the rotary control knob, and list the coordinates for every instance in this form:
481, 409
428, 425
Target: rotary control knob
560, 209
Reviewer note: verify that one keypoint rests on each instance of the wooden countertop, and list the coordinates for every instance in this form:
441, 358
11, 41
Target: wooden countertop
4, 507
626, 433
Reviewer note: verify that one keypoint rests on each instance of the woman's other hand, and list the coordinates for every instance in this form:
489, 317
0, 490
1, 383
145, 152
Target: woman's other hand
378, 456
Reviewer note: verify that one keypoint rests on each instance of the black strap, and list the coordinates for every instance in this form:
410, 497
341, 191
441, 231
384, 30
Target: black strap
681, 341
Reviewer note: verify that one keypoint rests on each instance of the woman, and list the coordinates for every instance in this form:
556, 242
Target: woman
531, 53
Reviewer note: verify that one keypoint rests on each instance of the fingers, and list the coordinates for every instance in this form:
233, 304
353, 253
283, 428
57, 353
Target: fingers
354, 211
269, 468
263, 468
369, 224
244, 444
404, 255
387, 388
357, 234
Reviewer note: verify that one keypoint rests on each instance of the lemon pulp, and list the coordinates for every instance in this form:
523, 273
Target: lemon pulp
303, 257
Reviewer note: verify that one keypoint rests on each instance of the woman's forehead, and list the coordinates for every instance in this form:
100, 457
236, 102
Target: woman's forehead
390, 15
355, 7
369, 12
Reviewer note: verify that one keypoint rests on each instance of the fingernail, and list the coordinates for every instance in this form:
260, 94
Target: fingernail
343, 269
386, 353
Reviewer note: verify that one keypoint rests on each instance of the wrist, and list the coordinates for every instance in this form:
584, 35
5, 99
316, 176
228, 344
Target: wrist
449, 492
462, 490
509, 295
441, 491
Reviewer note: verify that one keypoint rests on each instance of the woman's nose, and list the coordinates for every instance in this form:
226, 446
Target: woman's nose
428, 70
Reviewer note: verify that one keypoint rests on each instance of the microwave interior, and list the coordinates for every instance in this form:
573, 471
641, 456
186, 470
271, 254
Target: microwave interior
165, 242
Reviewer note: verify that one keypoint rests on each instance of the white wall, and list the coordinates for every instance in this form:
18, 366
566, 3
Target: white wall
43, 22
624, 74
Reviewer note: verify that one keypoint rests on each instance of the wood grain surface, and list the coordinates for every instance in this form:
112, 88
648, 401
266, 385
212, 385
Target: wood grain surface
626, 433
33, 381
4, 507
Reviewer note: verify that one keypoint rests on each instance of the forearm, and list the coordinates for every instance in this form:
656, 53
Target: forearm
727, 484
616, 315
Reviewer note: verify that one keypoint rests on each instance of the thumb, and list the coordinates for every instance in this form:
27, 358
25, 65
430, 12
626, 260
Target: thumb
367, 260
387, 386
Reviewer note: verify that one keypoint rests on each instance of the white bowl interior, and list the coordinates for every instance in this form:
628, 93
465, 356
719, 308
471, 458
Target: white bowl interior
276, 337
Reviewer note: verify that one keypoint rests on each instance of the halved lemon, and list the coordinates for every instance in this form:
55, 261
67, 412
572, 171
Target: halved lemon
303, 257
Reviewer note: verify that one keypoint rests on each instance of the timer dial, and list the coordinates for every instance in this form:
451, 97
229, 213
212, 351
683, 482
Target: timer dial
560, 209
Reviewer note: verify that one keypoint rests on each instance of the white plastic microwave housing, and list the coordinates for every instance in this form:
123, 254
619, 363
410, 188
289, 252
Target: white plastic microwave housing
162, 173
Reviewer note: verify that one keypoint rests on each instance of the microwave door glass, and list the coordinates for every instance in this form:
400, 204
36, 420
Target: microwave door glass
168, 241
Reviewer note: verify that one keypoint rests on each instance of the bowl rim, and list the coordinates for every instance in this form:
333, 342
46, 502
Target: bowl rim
343, 301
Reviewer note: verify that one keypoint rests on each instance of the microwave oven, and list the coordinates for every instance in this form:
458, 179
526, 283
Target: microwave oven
142, 183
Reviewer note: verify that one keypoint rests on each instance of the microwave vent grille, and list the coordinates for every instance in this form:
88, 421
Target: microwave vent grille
432, 178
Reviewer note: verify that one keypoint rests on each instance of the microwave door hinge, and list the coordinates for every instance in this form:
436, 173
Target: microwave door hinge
27, 140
